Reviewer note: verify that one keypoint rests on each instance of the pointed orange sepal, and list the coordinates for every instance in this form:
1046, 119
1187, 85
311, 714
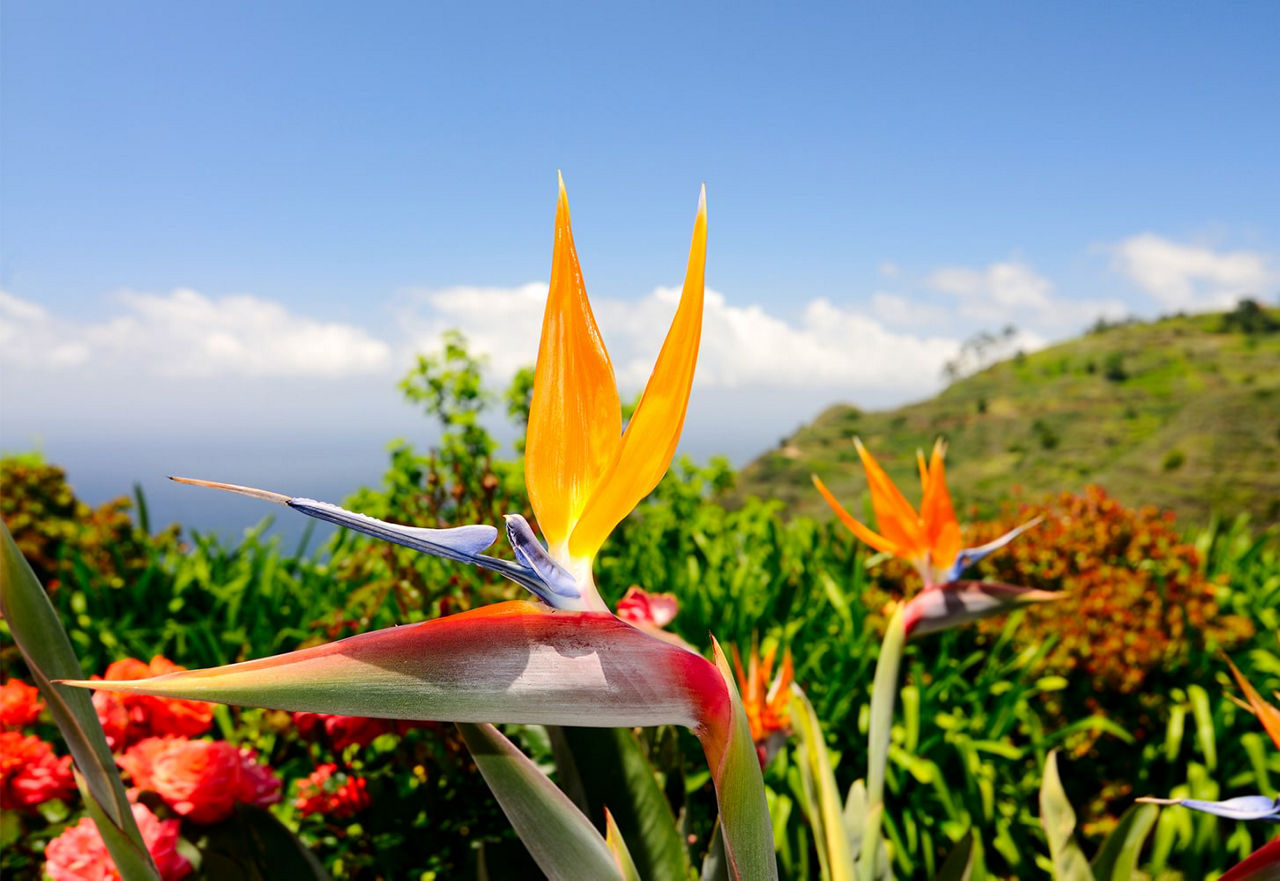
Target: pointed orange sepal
653, 432
575, 417
895, 517
880, 543
941, 528
1267, 714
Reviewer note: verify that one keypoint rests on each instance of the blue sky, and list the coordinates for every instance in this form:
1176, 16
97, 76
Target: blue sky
226, 227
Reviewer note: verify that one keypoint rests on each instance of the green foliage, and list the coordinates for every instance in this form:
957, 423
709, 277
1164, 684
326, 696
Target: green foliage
980, 708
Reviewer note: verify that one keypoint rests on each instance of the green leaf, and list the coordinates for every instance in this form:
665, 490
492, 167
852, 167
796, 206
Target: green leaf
613, 838
715, 865
884, 690
958, 866
1059, 822
610, 770
558, 835
744, 810
252, 845
49, 656
1119, 854
822, 797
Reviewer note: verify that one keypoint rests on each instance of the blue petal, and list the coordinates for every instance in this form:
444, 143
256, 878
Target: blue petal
1246, 807
531, 553
969, 556
461, 543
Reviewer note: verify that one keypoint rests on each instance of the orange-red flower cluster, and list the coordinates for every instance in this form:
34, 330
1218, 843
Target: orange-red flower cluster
30, 773
766, 703
200, 779
20, 704
79, 854
334, 795
127, 719
343, 731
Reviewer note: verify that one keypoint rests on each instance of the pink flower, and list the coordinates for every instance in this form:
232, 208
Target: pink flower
78, 854
200, 779
647, 610
334, 795
20, 704
126, 719
30, 773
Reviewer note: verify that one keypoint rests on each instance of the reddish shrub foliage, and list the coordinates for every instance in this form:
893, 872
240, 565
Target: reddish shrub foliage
1134, 596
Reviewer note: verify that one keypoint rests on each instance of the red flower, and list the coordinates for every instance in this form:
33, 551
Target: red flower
78, 854
200, 779
126, 719
343, 731
644, 609
30, 773
335, 796
20, 704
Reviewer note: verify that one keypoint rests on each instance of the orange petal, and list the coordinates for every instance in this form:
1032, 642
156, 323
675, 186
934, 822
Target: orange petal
896, 519
866, 535
575, 417
941, 528
654, 430
1268, 715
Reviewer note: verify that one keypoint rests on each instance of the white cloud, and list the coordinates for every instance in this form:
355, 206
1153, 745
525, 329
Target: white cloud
834, 348
896, 310
1190, 276
1011, 292
188, 334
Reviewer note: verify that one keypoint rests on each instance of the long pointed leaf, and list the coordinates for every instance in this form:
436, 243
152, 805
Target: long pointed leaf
616, 777
1118, 857
49, 656
822, 797
1059, 821
561, 839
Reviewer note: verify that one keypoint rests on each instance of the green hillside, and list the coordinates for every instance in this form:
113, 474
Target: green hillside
1182, 413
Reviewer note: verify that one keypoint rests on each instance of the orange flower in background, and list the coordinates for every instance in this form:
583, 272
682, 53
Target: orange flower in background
20, 704
331, 793
930, 539
78, 854
200, 779
127, 719
30, 773
767, 704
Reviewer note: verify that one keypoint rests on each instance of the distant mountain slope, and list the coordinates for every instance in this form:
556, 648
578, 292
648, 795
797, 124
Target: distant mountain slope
1182, 413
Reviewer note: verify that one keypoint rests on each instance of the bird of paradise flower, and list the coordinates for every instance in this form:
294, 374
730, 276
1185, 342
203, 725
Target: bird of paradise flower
562, 658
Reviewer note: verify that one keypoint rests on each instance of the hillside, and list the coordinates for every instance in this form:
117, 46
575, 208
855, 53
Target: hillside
1182, 413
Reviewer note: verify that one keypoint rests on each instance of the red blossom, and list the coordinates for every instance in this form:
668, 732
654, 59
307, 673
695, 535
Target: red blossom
200, 779
20, 704
126, 719
644, 609
78, 854
343, 731
30, 773
334, 795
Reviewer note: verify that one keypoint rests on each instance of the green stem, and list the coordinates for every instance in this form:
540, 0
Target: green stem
884, 690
